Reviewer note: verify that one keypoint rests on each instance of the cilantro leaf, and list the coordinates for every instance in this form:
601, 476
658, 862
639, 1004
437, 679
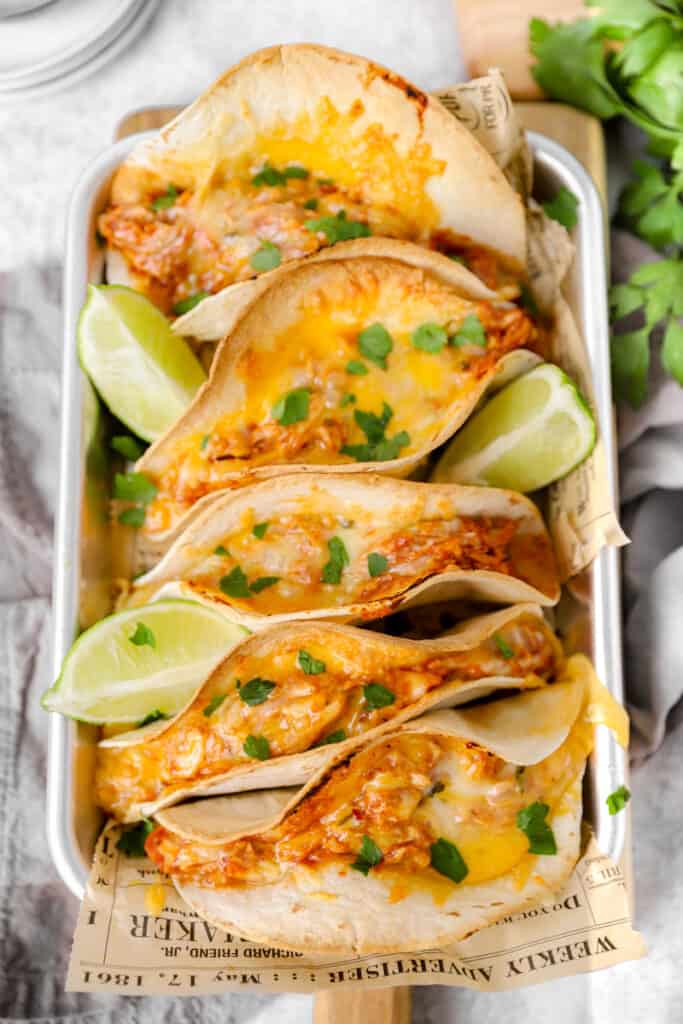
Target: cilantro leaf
310, 665
348, 399
143, 636
503, 646
429, 337
571, 65
257, 746
447, 860
131, 842
470, 332
153, 716
235, 583
166, 199
372, 425
339, 558
377, 696
259, 530
256, 691
375, 343
185, 305
266, 257
214, 704
127, 446
221, 551
531, 821
651, 205
338, 228
134, 516
134, 487
269, 175
311, 204
672, 351
377, 564
262, 583
369, 856
355, 367
292, 407
334, 737
562, 208
617, 800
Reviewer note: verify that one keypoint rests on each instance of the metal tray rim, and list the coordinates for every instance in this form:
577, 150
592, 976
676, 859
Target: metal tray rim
608, 760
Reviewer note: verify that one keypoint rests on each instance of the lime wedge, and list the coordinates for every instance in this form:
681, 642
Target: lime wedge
107, 677
144, 372
534, 431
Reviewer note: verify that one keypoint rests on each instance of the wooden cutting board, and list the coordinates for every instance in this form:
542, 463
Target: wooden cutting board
582, 135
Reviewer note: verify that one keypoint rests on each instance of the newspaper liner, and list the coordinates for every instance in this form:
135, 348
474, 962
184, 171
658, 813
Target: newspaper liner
120, 946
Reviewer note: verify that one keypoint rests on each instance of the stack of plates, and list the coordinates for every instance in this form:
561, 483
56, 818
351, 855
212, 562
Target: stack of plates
61, 42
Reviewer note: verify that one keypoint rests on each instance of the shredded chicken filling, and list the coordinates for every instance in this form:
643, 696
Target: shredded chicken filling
301, 709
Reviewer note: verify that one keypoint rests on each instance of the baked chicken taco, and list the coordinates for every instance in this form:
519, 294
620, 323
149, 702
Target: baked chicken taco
417, 839
368, 361
278, 701
295, 148
354, 547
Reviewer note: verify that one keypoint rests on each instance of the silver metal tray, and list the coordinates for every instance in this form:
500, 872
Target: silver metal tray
85, 557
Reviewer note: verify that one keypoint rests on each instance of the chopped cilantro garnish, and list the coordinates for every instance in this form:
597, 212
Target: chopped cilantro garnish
132, 516
311, 204
310, 665
266, 257
214, 704
222, 551
377, 564
256, 691
153, 716
375, 343
617, 800
339, 558
503, 646
470, 332
377, 696
334, 737
292, 407
562, 207
204, 441
269, 175
325, 181
235, 584
369, 856
166, 199
132, 840
355, 367
448, 861
134, 487
262, 583
429, 337
143, 636
185, 305
531, 821
338, 228
527, 300
257, 746
379, 448
259, 530
127, 446
348, 399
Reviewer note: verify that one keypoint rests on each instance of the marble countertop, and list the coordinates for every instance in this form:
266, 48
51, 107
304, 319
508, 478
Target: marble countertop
45, 145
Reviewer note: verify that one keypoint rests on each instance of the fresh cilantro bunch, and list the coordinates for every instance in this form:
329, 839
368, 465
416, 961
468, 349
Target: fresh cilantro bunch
627, 60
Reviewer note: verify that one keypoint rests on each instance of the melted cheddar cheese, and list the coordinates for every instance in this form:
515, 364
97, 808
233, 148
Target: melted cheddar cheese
204, 240
404, 792
303, 709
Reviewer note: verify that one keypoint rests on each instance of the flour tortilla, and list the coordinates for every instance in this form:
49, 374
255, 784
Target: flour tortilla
277, 89
371, 502
333, 910
355, 646
277, 298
